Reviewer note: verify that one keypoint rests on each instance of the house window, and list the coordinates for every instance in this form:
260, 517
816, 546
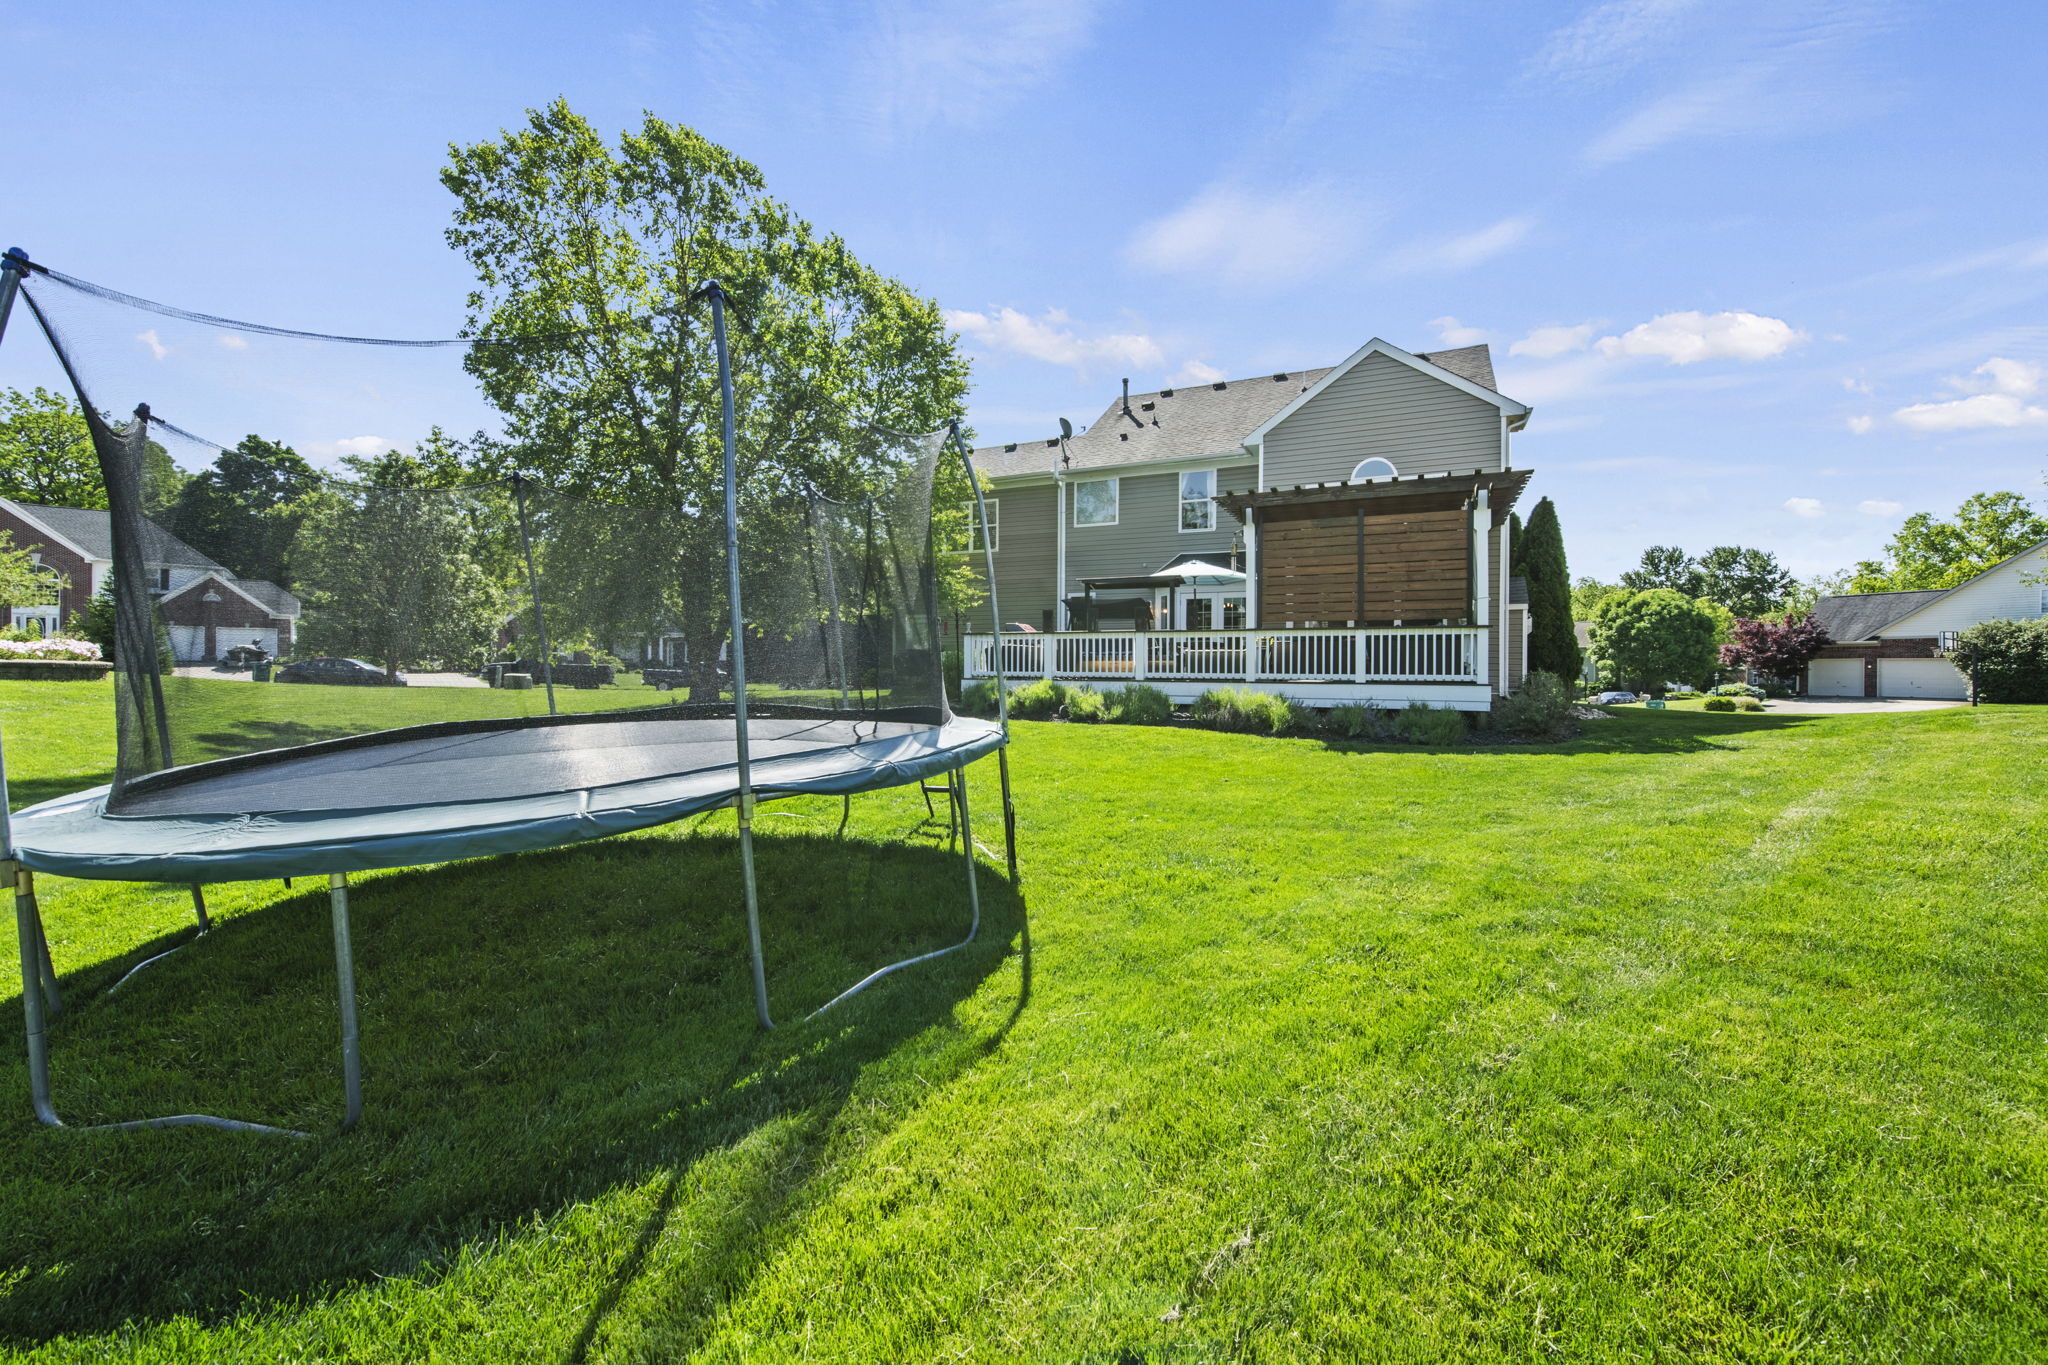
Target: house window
163, 580
1375, 468
1946, 642
1197, 500
1095, 503
971, 540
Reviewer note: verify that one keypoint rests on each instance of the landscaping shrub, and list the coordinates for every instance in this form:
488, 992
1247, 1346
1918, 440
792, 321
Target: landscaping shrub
2011, 659
1739, 690
954, 665
1421, 723
1750, 704
1088, 706
1139, 704
1351, 721
1539, 709
1039, 699
979, 698
1304, 720
1718, 704
1243, 711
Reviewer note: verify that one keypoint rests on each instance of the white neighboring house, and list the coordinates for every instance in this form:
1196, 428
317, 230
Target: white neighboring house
1890, 644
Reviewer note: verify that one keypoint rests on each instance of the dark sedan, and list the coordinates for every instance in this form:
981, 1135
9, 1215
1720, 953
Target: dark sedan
346, 672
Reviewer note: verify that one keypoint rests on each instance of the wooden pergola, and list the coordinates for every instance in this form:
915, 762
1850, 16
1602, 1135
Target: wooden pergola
1380, 551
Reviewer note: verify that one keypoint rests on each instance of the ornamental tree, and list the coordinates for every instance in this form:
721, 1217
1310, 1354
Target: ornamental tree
1645, 640
1776, 649
1553, 643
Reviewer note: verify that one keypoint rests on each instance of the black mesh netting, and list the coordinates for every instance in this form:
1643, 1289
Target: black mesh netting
429, 634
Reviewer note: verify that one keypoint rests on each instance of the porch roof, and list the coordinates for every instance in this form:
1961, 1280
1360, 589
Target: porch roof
1504, 486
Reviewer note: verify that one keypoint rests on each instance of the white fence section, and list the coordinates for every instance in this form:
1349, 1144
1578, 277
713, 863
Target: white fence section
1419, 655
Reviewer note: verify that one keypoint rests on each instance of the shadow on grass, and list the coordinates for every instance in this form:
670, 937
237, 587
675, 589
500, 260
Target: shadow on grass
30, 791
538, 1031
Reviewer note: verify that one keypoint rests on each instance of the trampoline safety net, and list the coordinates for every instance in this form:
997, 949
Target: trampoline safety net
311, 619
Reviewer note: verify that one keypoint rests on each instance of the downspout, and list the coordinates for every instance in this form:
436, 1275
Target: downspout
1059, 590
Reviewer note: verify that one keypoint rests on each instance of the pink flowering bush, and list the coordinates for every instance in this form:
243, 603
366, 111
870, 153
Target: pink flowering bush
55, 647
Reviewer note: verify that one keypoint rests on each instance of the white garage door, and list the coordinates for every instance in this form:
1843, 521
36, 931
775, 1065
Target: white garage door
1921, 678
1834, 678
188, 642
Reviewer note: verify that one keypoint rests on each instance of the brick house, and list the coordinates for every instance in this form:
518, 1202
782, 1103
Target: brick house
1892, 644
208, 608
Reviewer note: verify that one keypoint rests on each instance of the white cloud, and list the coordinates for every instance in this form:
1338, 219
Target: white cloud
1455, 333
1880, 507
1548, 343
1806, 507
1997, 399
1610, 38
1686, 338
1052, 339
1253, 238
1197, 372
1858, 386
156, 347
230, 342
1863, 424
959, 61
1463, 251
369, 446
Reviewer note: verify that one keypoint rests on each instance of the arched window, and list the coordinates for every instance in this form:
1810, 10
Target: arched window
1374, 468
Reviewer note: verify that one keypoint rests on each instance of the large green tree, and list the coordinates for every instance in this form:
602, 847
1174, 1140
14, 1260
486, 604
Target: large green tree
1928, 552
587, 256
1553, 644
1665, 566
1748, 582
245, 510
394, 569
23, 582
1646, 639
47, 456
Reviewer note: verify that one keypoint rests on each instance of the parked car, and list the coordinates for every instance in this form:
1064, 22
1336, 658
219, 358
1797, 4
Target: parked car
1614, 698
346, 672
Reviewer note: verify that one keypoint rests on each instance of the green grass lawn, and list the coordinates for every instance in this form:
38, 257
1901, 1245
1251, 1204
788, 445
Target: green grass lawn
1703, 1038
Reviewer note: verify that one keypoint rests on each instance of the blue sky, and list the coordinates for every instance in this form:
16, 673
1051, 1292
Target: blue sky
1770, 273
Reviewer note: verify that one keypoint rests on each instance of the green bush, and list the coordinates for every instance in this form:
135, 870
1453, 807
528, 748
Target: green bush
1088, 706
1351, 721
1243, 711
979, 698
1039, 699
1739, 690
1750, 704
2011, 659
1304, 720
954, 665
1421, 723
1539, 709
1139, 704
1718, 704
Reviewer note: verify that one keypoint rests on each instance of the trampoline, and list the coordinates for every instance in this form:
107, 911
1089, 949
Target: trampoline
236, 781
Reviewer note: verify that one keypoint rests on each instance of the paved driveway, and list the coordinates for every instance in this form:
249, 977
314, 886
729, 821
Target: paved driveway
1845, 706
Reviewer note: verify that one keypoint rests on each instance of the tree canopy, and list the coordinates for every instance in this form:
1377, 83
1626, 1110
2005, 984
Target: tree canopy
245, 509
23, 582
1646, 639
587, 256
46, 451
1553, 643
1776, 649
1928, 552
1748, 582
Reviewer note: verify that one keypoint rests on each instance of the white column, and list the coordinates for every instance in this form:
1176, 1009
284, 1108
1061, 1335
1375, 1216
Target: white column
1482, 576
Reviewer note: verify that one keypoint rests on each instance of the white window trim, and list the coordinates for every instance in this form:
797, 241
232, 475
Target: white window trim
1180, 507
1116, 497
1393, 471
975, 528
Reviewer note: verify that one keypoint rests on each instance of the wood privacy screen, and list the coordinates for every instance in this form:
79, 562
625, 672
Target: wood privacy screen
1336, 566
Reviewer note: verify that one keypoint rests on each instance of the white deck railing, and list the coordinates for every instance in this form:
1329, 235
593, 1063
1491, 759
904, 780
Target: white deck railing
1421, 655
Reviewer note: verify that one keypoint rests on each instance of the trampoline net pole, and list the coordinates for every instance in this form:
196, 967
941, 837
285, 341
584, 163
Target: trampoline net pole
744, 800
995, 617
540, 620
345, 980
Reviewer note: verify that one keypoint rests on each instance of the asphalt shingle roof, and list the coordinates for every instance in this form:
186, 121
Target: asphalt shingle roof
91, 529
1860, 615
1189, 421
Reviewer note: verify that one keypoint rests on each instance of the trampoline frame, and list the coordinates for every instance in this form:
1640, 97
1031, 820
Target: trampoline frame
42, 1000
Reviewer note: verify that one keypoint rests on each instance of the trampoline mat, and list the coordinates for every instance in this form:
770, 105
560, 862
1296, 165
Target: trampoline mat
468, 795
496, 764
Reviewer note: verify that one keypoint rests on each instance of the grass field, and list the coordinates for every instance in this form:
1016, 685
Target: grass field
1702, 1038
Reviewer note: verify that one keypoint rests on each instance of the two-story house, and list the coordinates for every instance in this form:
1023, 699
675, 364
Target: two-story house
208, 608
1336, 535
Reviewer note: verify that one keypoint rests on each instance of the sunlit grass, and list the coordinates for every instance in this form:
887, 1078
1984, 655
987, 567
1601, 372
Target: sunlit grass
1705, 1037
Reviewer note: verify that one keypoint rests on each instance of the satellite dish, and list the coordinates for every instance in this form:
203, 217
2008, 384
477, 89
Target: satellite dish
1066, 430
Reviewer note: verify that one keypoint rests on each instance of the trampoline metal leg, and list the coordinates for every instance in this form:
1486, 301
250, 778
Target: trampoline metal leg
345, 980
957, 783
28, 928
1009, 813
199, 907
753, 912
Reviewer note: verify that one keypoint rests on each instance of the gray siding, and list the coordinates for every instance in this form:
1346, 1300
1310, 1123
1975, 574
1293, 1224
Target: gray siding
1385, 408
1027, 548
1147, 533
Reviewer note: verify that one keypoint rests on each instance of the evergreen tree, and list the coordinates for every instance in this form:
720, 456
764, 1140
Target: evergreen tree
1553, 644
